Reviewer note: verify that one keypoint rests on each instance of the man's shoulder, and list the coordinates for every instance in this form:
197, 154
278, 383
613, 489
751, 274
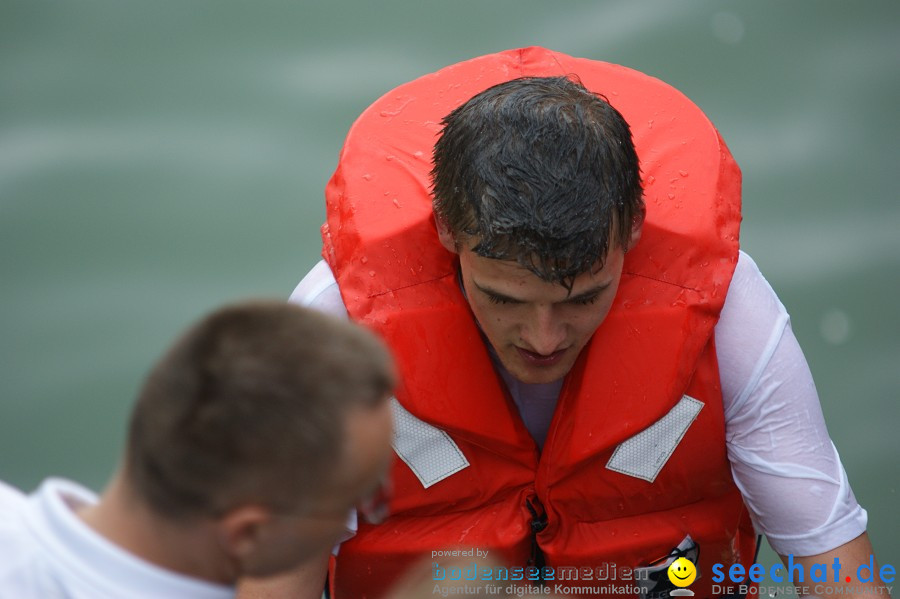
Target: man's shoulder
746, 268
750, 293
750, 326
19, 557
12, 505
319, 290
10, 495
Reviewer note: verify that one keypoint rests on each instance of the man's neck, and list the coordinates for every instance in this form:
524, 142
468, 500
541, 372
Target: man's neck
188, 548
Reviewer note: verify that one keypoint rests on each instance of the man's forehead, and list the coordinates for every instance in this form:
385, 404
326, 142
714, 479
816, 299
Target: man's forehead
509, 273
510, 254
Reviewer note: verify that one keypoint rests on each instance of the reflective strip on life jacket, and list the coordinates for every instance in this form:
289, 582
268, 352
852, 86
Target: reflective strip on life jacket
644, 454
428, 451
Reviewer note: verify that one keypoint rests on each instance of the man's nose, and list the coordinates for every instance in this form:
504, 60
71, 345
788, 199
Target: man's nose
545, 332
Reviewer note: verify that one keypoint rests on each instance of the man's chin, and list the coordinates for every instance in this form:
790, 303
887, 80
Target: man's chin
537, 375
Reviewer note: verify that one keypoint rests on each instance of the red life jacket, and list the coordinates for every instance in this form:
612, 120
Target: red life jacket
579, 501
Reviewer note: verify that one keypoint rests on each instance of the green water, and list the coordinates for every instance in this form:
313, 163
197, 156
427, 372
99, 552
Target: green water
160, 158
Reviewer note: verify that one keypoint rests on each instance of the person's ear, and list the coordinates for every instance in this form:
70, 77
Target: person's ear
637, 225
445, 235
241, 530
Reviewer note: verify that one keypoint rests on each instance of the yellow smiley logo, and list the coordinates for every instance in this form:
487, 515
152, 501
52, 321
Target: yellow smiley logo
682, 572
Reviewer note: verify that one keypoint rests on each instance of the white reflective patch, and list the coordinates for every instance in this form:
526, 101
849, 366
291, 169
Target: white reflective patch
428, 451
644, 454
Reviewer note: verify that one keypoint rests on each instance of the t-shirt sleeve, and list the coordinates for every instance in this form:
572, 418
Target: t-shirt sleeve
319, 290
781, 455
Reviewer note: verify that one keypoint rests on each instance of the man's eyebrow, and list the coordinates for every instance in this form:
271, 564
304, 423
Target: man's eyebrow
589, 293
584, 295
497, 294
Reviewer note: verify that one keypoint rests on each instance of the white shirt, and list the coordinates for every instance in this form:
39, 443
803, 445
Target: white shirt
782, 458
47, 552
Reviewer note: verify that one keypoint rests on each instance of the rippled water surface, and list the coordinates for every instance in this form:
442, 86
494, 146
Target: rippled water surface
160, 158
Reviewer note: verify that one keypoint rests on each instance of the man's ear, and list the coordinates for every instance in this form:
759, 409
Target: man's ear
445, 235
241, 529
637, 225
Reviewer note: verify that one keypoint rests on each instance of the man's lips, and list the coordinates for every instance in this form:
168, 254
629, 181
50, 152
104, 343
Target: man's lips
536, 359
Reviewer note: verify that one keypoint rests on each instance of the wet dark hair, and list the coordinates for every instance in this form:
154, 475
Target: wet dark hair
539, 170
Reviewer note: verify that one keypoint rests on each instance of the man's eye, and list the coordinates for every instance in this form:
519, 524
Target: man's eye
585, 301
494, 299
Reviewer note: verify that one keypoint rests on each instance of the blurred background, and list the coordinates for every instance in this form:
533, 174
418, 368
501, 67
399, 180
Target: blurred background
160, 158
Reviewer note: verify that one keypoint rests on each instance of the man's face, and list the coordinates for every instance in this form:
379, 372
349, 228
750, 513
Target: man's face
292, 539
538, 328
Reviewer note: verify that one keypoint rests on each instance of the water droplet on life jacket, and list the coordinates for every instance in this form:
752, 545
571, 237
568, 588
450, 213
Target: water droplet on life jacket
396, 202
367, 176
418, 154
364, 259
650, 124
371, 273
683, 173
651, 180
671, 195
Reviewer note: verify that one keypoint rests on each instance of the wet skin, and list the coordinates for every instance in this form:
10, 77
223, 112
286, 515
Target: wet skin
538, 328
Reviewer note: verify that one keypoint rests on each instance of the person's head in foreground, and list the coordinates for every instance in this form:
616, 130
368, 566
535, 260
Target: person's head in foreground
537, 187
251, 440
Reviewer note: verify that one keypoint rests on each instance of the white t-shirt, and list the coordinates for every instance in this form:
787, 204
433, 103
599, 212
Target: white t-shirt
782, 458
47, 552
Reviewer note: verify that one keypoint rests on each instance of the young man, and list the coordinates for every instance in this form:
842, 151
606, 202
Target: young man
591, 373
251, 441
